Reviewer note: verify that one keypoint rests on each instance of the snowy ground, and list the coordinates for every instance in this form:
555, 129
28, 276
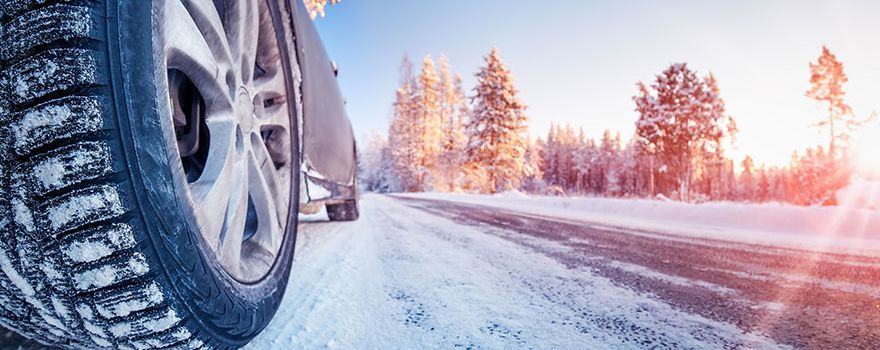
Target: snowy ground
853, 227
443, 272
414, 272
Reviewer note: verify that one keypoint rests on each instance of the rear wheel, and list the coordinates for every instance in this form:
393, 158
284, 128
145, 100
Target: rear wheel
149, 168
345, 211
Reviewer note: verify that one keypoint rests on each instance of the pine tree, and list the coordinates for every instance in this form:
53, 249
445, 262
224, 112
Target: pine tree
729, 176
533, 181
569, 153
779, 186
448, 98
403, 131
592, 177
607, 161
560, 154
453, 111
549, 157
497, 127
631, 185
683, 120
455, 142
581, 158
376, 166
747, 179
429, 128
826, 86
763, 186
817, 178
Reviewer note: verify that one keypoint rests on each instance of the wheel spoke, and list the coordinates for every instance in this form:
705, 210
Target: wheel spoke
233, 225
270, 100
270, 90
207, 18
242, 30
264, 189
264, 165
192, 55
212, 191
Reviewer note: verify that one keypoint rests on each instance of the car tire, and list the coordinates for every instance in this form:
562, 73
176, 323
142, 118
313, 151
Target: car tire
345, 211
103, 236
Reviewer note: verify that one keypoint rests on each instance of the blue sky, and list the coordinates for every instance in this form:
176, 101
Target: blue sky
577, 61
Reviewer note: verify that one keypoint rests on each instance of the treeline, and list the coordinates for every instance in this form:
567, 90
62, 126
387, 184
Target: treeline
575, 165
441, 139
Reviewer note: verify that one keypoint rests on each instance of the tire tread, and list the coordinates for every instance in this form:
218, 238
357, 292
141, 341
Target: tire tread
72, 273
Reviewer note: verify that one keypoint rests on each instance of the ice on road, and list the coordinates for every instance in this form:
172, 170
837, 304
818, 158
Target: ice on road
404, 278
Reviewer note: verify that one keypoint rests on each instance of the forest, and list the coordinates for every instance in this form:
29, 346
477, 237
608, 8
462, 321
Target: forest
443, 139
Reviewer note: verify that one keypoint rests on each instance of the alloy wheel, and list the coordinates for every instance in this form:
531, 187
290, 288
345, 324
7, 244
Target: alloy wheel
228, 94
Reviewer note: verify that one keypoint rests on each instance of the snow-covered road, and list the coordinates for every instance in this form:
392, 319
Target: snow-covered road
417, 273
404, 278
413, 273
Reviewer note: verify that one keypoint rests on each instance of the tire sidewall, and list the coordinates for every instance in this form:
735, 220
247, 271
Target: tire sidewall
231, 312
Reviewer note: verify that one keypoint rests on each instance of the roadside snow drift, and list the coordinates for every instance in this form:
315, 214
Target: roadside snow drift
854, 227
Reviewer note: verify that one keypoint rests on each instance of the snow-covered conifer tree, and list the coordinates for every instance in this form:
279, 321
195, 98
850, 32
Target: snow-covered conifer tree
568, 153
403, 132
533, 181
763, 193
429, 128
453, 110
376, 165
550, 158
683, 120
606, 162
497, 127
747, 179
447, 97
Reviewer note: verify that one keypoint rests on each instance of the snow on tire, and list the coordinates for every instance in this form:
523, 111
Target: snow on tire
98, 246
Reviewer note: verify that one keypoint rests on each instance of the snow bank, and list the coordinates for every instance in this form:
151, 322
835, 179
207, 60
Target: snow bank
861, 194
851, 227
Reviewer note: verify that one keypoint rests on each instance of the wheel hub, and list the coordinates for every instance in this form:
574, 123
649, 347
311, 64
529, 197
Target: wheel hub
245, 110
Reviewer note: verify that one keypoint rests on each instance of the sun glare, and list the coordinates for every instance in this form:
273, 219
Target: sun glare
867, 151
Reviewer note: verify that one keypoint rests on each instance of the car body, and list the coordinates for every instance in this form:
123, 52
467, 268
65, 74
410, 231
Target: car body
329, 161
